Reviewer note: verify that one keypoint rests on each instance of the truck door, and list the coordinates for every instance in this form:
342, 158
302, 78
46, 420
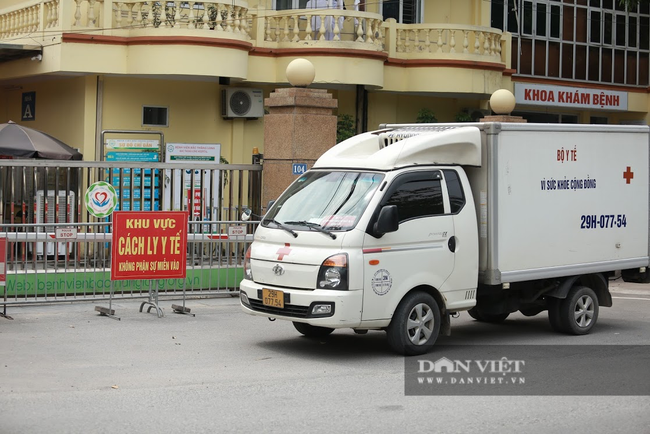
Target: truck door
419, 252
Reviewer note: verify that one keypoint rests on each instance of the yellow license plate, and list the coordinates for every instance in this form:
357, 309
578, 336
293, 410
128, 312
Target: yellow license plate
273, 298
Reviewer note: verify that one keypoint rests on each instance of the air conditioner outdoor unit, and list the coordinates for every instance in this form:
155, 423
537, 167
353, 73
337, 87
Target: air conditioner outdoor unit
242, 103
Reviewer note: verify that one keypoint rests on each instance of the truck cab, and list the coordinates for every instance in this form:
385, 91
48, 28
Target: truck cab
381, 234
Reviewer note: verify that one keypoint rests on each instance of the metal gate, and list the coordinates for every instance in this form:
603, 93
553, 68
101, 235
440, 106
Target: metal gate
58, 251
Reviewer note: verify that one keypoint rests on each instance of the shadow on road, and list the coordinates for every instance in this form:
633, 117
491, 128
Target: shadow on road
345, 345
342, 345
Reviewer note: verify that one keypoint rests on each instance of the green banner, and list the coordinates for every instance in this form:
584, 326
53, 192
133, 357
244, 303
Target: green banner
99, 282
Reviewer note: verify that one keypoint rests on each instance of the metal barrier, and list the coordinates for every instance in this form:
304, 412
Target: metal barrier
59, 252
79, 268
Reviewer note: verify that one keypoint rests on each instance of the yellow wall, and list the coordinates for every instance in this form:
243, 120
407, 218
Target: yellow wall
60, 108
347, 102
194, 110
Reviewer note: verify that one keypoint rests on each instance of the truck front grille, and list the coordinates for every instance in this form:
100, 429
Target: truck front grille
289, 309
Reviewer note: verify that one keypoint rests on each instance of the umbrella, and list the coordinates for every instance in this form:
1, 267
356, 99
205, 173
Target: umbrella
22, 142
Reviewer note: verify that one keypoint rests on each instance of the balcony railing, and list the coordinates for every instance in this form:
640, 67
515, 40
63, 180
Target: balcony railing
443, 41
231, 18
319, 27
27, 19
113, 17
314, 28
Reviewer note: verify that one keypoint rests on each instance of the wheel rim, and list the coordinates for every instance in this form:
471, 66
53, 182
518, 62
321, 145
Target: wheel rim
584, 311
420, 324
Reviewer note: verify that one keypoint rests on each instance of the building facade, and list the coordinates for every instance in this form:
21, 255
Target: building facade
198, 72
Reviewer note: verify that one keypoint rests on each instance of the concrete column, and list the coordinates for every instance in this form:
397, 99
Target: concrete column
299, 128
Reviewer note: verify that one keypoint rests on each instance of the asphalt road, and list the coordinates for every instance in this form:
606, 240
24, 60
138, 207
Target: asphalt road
65, 369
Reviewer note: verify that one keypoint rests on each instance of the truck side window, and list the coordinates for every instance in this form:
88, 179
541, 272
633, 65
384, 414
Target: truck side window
455, 190
417, 198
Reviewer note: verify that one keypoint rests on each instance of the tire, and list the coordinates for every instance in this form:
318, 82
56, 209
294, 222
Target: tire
554, 314
312, 331
579, 311
487, 317
473, 312
415, 325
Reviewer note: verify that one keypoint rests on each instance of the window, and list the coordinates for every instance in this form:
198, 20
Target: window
280, 5
331, 200
154, 116
555, 22
595, 27
603, 41
404, 11
528, 18
540, 25
417, 195
496, 16
455, 190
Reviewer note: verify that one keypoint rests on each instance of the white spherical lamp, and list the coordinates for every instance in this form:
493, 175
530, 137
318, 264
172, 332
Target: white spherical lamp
502, 102
301, 72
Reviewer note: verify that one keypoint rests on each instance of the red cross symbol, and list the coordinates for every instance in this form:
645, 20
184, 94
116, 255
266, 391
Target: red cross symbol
283, 251
628, 175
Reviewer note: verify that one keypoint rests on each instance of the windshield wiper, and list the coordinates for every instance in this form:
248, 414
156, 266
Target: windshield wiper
281, 226
311, 225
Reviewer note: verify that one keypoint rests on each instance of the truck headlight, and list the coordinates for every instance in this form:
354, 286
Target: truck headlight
248, 272
333, 273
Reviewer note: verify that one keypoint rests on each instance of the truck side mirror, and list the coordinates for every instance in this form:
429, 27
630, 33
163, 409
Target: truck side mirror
387, 221
246, 214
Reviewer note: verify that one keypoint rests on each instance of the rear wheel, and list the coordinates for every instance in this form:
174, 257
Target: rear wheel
579, 310
415, 325
312, 331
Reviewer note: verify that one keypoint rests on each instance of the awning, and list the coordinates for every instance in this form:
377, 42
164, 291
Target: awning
10, 52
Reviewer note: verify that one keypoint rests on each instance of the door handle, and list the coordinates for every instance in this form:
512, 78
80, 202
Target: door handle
452, 244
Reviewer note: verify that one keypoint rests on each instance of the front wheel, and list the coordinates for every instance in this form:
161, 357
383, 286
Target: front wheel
312, 331
415, 325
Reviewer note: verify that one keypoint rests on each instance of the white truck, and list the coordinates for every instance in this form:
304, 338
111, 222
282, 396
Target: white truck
402, 228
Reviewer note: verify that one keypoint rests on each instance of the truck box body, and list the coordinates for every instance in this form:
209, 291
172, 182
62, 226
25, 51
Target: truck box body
556, 200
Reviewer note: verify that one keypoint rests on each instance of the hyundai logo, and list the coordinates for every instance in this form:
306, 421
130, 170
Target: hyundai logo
278, 270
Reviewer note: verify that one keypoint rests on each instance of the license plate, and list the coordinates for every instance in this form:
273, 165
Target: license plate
273, 298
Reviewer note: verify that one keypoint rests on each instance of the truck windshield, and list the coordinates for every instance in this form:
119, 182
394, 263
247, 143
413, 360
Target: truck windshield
324, 200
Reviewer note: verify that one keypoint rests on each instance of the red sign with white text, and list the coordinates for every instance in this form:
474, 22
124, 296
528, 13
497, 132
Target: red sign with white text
194, 201
566, 96
149, 245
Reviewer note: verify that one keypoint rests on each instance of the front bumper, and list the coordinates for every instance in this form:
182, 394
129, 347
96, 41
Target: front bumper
346, 305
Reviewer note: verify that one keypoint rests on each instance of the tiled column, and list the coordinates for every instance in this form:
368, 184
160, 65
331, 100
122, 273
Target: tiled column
299, 128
